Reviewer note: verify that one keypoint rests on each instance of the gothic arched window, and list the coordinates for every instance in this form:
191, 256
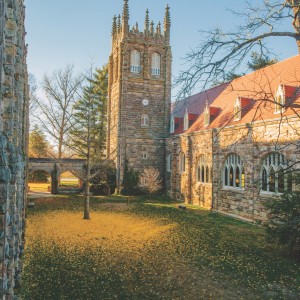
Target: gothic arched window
234, 172
135, 62
155, 64
203, 170
273, 177
145, 120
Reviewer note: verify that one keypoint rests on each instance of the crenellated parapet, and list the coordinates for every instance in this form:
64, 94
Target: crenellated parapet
151, 33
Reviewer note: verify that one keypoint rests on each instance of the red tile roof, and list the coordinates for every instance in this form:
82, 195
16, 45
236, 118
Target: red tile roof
261, 86
195, 104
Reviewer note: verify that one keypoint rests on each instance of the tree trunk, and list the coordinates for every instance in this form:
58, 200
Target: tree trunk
87, 189
86, 214
88, 170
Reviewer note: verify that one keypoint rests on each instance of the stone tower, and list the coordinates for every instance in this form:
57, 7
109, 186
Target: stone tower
139, 94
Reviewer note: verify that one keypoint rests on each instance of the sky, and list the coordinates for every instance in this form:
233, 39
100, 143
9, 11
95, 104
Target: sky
78, 32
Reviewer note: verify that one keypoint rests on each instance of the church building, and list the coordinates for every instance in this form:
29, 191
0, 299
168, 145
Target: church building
229, 148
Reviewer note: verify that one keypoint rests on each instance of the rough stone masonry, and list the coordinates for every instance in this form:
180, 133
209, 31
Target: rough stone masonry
14, 126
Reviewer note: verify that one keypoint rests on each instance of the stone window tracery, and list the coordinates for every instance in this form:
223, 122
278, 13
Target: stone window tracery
144, 120
155, 64
234, 172
273, 177
135, 62
203, 170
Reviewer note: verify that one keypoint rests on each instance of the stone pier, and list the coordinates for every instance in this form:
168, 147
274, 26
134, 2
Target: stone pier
14, 126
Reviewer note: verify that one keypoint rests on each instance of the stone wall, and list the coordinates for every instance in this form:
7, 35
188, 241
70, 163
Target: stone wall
253, 143
13, 141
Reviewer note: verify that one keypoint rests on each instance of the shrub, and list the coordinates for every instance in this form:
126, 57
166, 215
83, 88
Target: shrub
131, 182
283, 224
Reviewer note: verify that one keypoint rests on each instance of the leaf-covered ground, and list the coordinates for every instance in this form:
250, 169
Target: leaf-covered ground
148, 250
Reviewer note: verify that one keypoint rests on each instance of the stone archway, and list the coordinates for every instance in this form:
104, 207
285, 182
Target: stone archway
55, 167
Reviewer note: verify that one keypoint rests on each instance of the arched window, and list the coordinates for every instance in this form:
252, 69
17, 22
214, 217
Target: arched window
182, 162
273, 177
135, 62
168, 163
203, 170
233, 172
155, 65
145, 120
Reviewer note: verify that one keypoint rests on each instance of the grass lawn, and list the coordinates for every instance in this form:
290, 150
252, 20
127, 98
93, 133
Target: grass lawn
148, 250
38, 187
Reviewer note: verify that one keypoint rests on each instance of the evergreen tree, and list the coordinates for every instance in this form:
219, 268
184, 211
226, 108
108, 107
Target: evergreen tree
87, 136
259, 61
38, 145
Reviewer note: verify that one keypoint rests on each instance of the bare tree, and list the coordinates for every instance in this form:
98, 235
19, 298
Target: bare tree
151, 180
33, 102
221, 53
61, 90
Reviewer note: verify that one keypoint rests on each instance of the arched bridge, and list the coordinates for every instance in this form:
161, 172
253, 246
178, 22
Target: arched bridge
55, 167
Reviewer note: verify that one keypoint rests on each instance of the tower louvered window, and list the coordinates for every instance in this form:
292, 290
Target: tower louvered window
135, 65
234, 172
155, 65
